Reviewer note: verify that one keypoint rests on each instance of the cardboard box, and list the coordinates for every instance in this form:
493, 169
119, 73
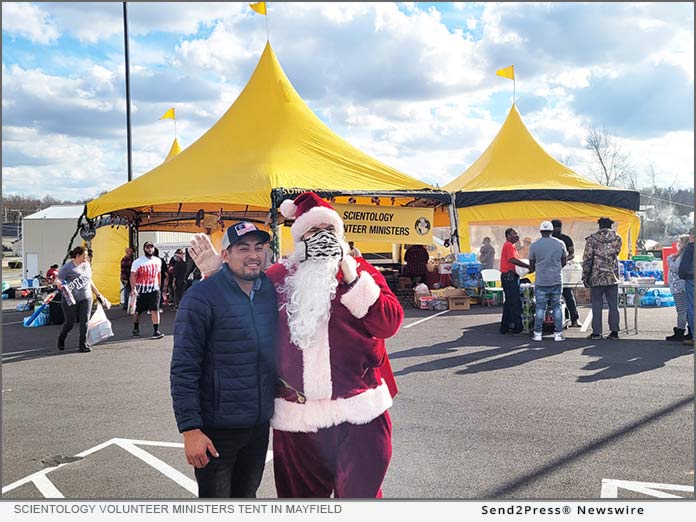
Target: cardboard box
424, 301
459, 303
450, 291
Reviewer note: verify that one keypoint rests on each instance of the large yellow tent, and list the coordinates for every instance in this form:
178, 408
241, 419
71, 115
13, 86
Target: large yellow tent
109, 245
267, 140
516, 183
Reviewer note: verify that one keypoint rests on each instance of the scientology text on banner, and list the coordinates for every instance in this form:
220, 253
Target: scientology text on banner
412, 225
348, 510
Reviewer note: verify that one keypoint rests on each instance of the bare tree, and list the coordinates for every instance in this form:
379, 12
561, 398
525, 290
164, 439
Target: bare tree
15, 206
566, 159
610, 165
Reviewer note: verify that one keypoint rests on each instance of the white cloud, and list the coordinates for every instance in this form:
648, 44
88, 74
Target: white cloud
219, 52
407, 84
99, 21
70, 168
29, 21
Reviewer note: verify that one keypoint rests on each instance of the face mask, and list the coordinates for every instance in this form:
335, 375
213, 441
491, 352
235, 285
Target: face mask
323, 245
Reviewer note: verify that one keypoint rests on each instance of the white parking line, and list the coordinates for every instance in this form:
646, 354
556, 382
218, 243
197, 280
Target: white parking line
49, 490
37, 476
586, 322
425, 319
161, 466
610, 488
8, 354
18, 355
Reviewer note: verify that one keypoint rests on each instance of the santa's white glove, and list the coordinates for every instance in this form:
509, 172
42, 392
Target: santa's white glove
204, 255
349, 267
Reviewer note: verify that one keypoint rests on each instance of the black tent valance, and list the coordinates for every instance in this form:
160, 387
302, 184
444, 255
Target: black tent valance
627, 199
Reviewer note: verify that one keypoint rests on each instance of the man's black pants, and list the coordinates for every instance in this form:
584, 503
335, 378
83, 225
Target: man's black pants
237, 472
179, 289
512, 307
569, 298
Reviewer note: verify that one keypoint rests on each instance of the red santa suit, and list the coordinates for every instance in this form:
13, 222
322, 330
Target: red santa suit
331, 428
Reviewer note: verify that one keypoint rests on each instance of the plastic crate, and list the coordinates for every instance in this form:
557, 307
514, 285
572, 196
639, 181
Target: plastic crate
466, 257
473, 268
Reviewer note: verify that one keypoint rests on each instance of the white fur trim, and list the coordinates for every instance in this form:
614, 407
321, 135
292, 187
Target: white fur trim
314, 415
288, 208
362, 296
316, 366
316, 216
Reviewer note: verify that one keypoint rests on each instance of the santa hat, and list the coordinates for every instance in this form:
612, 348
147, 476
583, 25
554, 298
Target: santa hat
309, 210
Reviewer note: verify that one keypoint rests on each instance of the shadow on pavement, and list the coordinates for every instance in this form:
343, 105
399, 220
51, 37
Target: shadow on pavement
628, 358
616, 358
21, 344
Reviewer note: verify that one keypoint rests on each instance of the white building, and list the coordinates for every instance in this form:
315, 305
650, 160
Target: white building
46, 234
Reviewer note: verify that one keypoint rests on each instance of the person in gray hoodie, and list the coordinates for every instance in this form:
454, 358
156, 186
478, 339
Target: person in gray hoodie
600, 273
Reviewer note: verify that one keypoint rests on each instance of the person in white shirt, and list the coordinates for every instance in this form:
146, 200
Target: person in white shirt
145, 279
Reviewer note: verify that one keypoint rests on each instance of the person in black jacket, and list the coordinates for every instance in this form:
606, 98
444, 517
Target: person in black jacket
223, 370
177, 268
686, 272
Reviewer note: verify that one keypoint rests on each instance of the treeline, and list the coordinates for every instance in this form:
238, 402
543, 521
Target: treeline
679, 197
17, 206
668, 217
667, 212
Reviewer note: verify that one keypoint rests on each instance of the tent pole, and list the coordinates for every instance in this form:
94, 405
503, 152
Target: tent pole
454, 227
128, 104
131, 242
275, 247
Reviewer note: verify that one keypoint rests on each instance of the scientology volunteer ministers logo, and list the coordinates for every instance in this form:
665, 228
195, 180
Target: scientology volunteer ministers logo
422, 226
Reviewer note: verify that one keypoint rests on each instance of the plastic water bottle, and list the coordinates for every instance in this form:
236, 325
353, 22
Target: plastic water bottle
68, 297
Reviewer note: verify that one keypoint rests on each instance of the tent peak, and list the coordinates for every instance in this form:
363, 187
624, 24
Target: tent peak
268, 138
516, 160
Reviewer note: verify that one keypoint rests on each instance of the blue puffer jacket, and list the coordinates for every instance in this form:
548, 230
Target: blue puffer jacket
223, 370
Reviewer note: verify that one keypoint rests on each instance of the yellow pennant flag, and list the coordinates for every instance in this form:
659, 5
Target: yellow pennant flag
507, 72
169, 115
259, 7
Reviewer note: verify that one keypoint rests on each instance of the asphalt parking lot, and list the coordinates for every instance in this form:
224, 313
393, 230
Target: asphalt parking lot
478, 416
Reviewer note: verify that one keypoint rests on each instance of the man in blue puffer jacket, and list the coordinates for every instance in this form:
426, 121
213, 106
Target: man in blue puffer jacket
223, 370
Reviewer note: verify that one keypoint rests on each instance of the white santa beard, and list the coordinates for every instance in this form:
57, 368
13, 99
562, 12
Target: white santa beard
309, 288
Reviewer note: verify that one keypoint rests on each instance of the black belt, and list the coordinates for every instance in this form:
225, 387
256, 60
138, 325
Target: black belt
509, 275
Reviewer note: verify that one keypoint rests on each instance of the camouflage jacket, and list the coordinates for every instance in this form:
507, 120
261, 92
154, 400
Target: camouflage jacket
600, 263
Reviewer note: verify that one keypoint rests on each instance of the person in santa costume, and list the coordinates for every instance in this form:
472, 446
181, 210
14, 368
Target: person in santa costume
331, 426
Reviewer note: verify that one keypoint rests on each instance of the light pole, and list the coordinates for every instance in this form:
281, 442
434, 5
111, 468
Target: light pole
131, 229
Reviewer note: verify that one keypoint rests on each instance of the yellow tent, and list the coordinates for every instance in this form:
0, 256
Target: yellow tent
516, 183
174, 150
267, 140
109, 245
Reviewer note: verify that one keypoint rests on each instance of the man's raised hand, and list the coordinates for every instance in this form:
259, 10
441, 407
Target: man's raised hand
204, 255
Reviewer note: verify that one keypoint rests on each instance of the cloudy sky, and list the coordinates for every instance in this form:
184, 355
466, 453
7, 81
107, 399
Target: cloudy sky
413, 84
